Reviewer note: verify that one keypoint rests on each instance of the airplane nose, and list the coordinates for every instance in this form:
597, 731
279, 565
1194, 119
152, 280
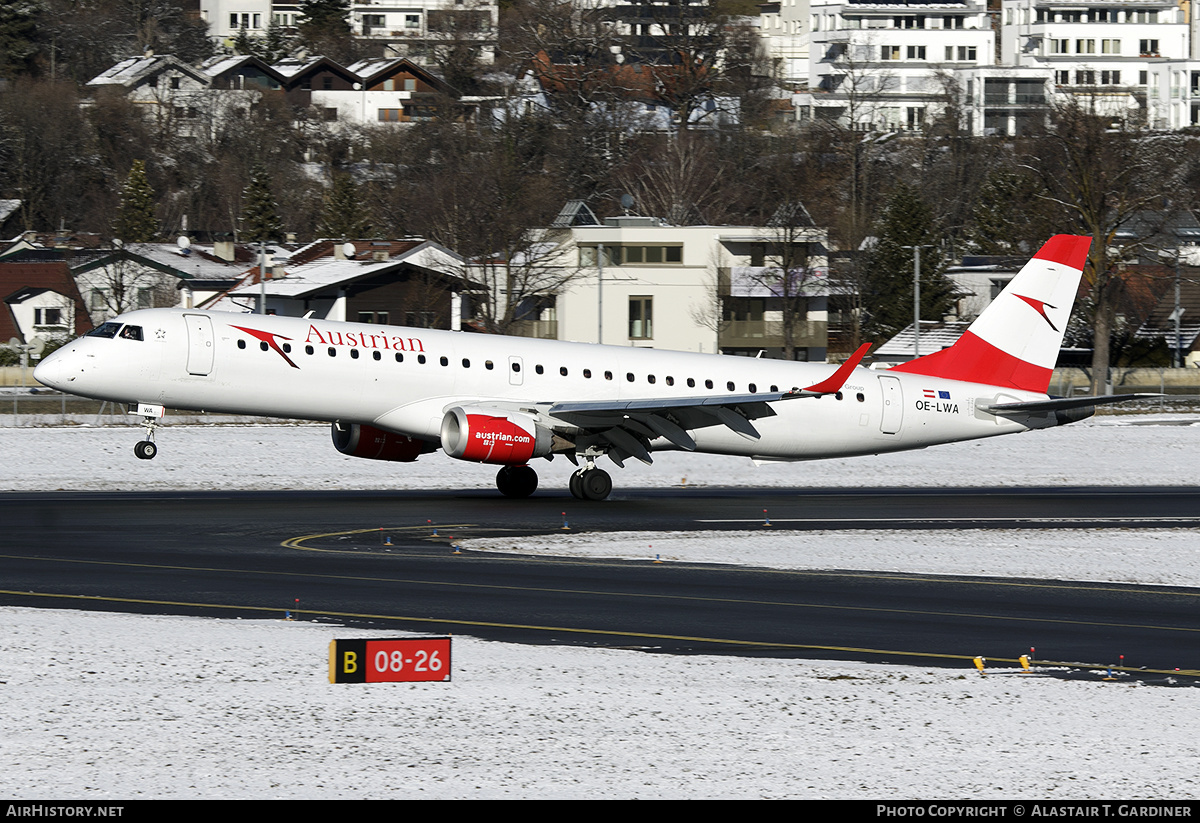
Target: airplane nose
54, 371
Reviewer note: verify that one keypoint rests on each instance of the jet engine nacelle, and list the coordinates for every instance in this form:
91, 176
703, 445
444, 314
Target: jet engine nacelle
357, 440
486, 435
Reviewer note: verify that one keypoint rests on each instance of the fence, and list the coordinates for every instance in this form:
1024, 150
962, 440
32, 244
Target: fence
42, 407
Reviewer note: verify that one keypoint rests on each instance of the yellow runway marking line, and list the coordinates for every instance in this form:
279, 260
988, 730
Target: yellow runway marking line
748, 644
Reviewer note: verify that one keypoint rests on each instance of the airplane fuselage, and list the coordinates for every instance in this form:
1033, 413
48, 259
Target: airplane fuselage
403, 380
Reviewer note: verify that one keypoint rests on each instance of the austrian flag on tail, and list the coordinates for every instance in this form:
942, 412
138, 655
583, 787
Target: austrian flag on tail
1015, 342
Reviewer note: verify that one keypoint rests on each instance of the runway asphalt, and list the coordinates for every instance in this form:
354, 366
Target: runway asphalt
257, 554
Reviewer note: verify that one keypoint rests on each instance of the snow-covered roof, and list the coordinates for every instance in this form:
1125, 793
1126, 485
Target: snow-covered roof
311, 278
130, 72
935, 335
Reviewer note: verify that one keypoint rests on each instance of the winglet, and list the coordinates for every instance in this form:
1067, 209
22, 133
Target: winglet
833, 384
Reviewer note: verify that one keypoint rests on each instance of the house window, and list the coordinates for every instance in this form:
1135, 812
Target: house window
1056, 47
1085, 77
1110, 78
412, 21
389, 115
641, 318
889, 52
915, 53
1085, 46
654, 255
47, 317
1110, 46
1148, 47
410, 84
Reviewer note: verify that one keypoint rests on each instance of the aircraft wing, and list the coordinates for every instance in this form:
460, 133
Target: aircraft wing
627, 425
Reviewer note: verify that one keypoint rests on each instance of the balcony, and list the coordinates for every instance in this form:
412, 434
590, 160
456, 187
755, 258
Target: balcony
767, 334
538, 329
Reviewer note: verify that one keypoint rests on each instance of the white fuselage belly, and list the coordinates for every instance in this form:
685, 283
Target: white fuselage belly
895, 412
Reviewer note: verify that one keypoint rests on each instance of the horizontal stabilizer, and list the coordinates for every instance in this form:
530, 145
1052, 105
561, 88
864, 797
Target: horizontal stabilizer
1061, 403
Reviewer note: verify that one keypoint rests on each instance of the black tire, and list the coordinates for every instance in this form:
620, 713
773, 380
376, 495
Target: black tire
596, 484
576, 485
516, 481
145, 450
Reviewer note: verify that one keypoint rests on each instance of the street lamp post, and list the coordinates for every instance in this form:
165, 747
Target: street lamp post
917, 297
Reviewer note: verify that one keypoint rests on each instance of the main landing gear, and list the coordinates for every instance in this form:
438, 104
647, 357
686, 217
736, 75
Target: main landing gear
588, 483
516, 481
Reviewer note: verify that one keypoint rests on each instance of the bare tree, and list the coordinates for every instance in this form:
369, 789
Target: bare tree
1102, 175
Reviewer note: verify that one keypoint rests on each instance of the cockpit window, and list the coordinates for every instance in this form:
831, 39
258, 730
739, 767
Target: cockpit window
104, 330
131, 333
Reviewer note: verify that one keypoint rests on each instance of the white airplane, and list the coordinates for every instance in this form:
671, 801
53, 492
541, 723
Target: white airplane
395, 393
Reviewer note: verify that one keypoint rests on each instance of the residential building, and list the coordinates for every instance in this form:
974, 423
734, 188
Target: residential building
408, 282
1126, 57
890, 66
640, 283
417, 29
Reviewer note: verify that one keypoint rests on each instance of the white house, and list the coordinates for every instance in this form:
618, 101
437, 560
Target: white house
890, 66
1120, 56
641, 283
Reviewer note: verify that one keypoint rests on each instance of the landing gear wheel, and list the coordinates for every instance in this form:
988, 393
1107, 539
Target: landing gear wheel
576, 485
516, 481
145, 450
595, 484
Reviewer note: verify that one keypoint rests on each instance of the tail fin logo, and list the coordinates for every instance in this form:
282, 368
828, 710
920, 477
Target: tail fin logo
1040, 307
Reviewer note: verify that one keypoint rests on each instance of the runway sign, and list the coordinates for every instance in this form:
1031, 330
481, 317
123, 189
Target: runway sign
410, 659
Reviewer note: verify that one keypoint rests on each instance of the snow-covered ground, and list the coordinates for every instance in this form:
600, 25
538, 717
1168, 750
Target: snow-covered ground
102, 706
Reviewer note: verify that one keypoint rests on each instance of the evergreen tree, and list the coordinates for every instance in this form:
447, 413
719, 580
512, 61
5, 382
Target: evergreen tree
906, 221
324, 27
260, 216
344, 216
18, 31
136, 222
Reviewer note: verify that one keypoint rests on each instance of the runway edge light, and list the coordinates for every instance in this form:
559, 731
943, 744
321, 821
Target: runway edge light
392, 660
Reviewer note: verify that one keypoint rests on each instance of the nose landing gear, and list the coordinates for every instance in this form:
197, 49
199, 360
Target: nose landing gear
147, 449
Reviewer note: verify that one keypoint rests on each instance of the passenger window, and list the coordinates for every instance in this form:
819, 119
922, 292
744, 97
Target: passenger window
332, 351
729, 385
587, 373
608, 375
708, 384
421, 359
563, 371
241, 344
670, 380
354, 354
263, 345
466, 363
399, 357
753, 388
538, 368
308, 349
691, 382
488, 364
445, 361
629, 376
377, 356
287, 348
649, 378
